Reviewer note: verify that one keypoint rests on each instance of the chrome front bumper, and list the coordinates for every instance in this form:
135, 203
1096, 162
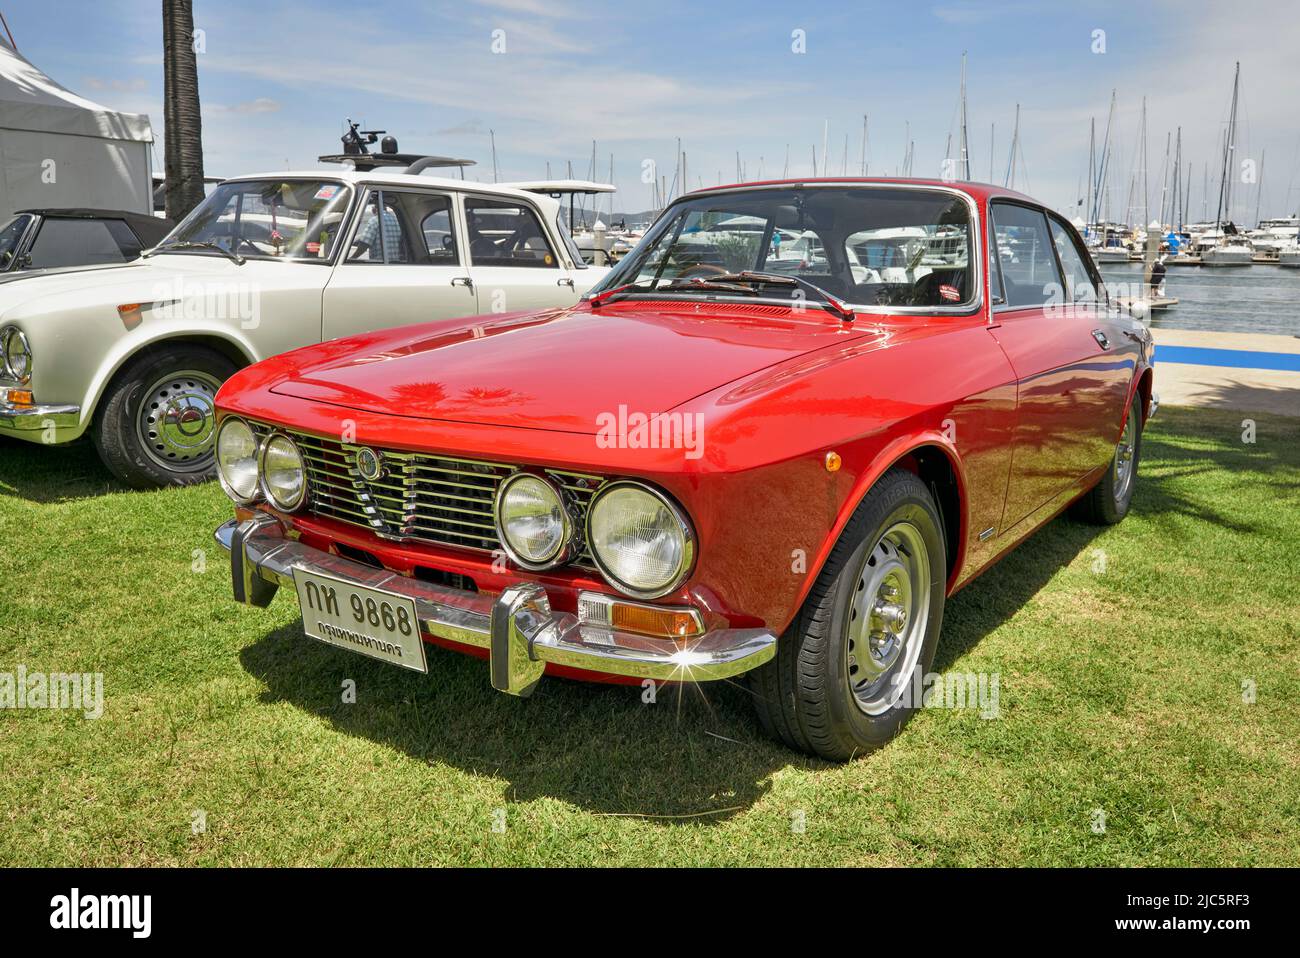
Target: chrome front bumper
518, 627
30, 418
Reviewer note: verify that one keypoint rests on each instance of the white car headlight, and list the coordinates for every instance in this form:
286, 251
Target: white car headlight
15, 355
534, 525
237, 460
641, 541
284, 479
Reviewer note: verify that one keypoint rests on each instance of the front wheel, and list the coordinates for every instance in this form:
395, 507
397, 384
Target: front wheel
156, 424
845, 674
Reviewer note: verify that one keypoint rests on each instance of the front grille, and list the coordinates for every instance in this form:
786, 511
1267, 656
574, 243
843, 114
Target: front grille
420, 497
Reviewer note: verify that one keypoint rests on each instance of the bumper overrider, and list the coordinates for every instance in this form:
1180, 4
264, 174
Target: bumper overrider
518, 627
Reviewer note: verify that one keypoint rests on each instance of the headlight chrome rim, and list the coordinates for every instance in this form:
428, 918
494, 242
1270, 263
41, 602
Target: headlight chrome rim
6, 334
566, 548
226, 485
268, 493
687, 564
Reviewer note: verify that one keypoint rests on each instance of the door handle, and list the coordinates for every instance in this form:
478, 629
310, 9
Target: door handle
462, 281
1102, 341
565, 281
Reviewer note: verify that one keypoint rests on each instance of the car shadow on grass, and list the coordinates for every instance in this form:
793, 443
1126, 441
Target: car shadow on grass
44, 474
696, 754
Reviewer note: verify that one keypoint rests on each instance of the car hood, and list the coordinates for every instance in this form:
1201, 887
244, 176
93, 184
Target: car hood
141, 280
563, 370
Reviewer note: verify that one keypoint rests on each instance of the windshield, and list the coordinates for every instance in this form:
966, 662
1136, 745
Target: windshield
9, 237
868, 245
267, 219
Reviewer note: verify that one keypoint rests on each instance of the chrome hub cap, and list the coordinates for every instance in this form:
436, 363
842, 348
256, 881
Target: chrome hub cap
888, 617
1124, 457
177, 421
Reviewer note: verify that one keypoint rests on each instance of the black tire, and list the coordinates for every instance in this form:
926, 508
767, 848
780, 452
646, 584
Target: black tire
1107, 503
805, 696
121, 438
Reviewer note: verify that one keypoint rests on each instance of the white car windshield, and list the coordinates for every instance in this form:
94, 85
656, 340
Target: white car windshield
265, 219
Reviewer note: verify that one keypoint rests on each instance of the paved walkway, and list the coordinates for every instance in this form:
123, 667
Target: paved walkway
1253, 372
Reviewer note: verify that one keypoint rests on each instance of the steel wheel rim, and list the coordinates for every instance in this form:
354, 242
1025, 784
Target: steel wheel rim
1125, 454
888, 616
176, 424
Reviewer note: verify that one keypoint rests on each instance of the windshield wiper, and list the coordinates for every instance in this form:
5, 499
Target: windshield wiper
185, 244
756, 277
707, 283
609, 295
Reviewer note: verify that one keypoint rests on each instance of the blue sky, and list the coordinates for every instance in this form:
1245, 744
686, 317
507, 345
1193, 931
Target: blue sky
277, 79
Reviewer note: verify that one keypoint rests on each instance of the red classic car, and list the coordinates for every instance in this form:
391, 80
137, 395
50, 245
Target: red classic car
792, 421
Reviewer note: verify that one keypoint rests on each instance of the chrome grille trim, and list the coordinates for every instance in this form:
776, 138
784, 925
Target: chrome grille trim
420, 497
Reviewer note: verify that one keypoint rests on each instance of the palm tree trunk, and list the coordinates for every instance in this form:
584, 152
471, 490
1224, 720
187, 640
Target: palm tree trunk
183, 157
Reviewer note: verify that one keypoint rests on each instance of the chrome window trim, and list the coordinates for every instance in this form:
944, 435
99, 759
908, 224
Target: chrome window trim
561, 261
993, 238
366, 190
687, 565
566, 551
972, 208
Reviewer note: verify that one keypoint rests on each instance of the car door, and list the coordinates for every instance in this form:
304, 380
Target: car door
513, 261
403, 264
1120, 351
1061, 379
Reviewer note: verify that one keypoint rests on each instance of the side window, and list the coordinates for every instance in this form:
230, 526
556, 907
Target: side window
502, 233
997, 293
1024, 249
127, 242
74, 243
1079, 284
381, 236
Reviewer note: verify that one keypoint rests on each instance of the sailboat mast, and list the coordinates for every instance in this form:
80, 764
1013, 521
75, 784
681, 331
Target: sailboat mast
1092, 159
1010, 180
1259, 187
863, 164
965, 146
1225, 183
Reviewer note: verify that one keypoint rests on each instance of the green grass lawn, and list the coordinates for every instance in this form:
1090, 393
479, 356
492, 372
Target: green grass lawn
1121, 690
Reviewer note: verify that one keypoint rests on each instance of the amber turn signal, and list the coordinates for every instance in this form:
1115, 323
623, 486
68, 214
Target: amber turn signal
664, 622
131, 314
19, 397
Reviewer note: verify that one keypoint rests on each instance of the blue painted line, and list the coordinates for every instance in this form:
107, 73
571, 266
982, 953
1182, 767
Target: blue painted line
1234, 358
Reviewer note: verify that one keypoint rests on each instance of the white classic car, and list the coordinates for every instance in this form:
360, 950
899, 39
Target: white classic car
134, 353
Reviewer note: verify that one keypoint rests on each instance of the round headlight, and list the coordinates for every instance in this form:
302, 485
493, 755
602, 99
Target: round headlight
237, 460
641, 541
284, 480
532, 521
17, 355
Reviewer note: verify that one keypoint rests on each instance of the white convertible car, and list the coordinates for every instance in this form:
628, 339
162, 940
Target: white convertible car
135, 353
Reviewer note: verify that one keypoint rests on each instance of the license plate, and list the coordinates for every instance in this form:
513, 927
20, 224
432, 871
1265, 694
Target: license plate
356, 617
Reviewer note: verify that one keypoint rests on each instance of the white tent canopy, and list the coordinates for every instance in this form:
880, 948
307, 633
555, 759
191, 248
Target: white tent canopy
58, 149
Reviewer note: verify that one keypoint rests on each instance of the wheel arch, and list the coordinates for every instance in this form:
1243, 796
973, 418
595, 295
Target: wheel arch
934, 459
221, 340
